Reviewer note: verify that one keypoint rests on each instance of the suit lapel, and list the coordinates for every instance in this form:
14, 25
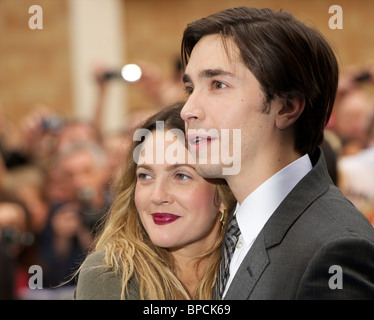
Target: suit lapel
312, 186
249, 271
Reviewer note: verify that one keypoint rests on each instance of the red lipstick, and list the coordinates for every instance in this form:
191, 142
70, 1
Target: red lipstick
162, 218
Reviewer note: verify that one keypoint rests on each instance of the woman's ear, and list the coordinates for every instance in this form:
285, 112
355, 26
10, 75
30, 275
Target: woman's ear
222, 207
292, 104
223, 215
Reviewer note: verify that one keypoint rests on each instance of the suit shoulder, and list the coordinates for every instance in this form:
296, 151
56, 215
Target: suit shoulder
338, 213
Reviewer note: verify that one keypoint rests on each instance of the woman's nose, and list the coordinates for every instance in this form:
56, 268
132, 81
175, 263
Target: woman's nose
161, 193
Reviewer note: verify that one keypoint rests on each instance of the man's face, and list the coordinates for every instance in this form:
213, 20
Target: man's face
83, 173
223, 94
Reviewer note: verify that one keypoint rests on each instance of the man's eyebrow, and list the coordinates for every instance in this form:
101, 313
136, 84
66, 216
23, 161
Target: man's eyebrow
208, 73
186, 78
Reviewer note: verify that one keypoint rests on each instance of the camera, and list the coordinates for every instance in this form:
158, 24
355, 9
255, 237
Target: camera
52, 124
129, 73
89, 214
363, 77
11, 236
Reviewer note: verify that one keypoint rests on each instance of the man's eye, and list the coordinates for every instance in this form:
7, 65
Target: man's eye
219, 85
188, 90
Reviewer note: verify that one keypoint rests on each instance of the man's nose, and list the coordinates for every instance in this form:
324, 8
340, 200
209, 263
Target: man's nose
192, 110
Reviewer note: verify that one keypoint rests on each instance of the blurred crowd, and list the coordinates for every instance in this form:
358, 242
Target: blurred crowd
350, 134
55, 179
56, 173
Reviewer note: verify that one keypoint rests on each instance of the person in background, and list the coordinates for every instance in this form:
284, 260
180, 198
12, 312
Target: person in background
353, 115
16, 246
84, 164
356, 176
73, 224
27, 184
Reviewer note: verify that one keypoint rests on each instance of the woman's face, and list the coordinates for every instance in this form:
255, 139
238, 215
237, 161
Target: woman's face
177, 207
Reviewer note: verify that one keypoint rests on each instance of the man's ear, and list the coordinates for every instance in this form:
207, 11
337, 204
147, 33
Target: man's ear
292, 105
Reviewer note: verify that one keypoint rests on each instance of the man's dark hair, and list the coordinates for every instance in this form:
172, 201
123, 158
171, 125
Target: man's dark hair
285, 56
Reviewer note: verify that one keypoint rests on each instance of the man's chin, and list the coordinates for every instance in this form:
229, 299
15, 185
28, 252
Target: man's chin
209, 170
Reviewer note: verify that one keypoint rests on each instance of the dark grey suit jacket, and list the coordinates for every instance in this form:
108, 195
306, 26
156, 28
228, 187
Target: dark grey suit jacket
313, 229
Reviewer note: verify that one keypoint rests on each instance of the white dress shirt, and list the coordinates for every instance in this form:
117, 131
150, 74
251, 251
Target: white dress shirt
258, 207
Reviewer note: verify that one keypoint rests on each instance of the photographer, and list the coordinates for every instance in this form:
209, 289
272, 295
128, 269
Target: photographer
74, 223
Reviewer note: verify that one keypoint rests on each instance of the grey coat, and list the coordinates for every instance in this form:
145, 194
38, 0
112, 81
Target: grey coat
96, 282
313, 229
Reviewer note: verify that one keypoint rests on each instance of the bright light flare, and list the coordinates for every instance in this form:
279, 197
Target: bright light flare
131, 72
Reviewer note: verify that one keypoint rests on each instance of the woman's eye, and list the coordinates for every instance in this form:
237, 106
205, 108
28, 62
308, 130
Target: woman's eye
182, 176
143, 176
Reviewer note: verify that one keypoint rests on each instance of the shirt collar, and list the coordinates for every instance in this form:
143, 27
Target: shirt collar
258, 206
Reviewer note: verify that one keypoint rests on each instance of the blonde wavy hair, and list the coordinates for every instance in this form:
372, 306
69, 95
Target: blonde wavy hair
129, 251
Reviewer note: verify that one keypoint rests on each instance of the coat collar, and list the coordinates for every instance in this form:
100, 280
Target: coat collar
311, 187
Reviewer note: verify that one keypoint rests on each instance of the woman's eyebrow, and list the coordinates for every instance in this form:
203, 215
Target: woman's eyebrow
178, 165
170, 167
143, 166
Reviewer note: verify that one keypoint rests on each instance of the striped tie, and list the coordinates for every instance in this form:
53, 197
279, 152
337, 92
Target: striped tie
231, 237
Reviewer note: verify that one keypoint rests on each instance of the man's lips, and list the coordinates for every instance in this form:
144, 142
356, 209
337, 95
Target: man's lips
162, 218
196, 141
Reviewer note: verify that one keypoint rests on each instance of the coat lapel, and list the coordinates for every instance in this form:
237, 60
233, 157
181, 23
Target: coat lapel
312, 186
249, 271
